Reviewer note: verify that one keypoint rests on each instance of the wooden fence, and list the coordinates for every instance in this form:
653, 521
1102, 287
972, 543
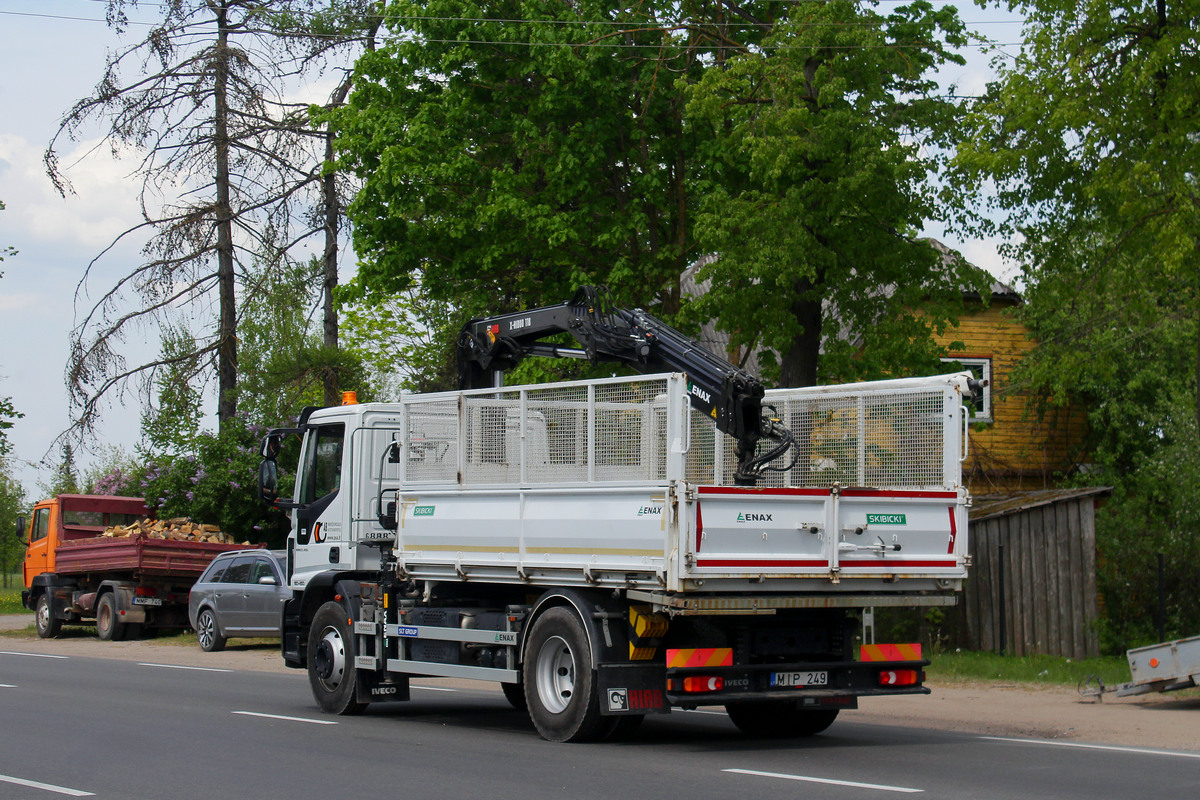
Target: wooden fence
1032, 585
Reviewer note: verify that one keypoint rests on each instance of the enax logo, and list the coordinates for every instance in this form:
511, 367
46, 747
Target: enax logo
703, 395
647, 511
754, 518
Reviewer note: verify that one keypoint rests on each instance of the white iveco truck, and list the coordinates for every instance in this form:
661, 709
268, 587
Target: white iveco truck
613, 548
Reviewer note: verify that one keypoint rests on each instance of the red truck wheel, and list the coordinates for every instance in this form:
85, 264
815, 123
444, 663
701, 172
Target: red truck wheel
48, 625
107, 627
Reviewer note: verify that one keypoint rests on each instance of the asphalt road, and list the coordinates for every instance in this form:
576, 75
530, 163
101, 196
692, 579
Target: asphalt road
76, 726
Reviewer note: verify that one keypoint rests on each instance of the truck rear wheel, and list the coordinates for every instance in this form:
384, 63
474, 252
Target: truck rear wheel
107, 626
560, 684
48, 625
331, 661
777, 720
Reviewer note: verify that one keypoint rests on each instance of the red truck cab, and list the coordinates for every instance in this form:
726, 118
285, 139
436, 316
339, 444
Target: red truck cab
73, 516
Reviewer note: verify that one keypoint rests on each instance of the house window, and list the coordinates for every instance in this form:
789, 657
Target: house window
981, 368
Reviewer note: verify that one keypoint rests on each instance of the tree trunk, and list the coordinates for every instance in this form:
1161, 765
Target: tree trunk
332, 212
227, 325
798, 364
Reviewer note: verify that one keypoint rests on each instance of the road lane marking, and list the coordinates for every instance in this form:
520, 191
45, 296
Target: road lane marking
31, 655
1133, 750
180, 666
49, 787
289, 719
8, 686
808, 779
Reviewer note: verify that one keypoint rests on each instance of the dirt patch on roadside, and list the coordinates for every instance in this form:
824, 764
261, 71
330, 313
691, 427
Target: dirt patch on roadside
1170, 721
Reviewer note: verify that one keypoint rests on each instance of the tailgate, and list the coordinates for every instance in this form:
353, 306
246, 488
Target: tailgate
835, 534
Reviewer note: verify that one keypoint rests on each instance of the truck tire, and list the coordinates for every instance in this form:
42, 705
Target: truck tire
560, 684
107, 626
48, 625
208, 632
331, 661
514, 693
779, 720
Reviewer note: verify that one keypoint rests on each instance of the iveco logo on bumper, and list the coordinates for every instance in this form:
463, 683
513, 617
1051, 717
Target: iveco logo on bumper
754, 518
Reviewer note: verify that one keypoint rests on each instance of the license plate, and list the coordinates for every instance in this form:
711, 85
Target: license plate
147, 601
788, 680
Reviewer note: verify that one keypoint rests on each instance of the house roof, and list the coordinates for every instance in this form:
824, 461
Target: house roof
989, 506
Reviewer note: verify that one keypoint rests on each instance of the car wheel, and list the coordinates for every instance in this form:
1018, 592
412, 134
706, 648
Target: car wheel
107, 626
560, 684
777, 720
331, 661
48, 625
208, 633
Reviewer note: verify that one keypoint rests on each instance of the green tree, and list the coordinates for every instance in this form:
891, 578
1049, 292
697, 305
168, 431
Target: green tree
170, 424
820, 130
12, 505
66, 475
8, 413
1085, 149
512, 152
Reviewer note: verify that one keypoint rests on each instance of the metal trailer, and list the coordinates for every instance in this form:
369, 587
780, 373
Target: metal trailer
1162, 667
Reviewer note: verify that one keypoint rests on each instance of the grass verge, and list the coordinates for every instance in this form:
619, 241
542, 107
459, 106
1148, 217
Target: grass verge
967, 667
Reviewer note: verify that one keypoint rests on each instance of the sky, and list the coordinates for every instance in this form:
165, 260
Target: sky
51, 54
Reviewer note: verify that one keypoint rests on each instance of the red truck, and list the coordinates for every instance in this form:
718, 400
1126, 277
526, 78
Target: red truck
127, 584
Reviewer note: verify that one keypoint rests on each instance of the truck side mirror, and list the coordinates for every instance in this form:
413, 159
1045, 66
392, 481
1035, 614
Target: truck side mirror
21, 528
268, 481
272, 446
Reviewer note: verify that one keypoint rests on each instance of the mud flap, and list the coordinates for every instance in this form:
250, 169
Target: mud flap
378, 687
632, 689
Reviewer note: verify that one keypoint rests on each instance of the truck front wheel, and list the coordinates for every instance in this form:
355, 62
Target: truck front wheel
331, 661
107, 626
560, 684
777, 720
48, 625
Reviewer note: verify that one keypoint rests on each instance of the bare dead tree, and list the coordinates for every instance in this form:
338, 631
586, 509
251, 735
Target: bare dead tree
231, 171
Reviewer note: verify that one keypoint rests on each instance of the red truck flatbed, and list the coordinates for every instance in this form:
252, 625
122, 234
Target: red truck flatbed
138, 555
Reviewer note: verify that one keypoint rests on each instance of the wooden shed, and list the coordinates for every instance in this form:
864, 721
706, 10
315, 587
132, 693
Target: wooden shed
1032, 588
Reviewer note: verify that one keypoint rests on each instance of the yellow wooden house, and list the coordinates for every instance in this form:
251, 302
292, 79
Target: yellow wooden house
1012, 447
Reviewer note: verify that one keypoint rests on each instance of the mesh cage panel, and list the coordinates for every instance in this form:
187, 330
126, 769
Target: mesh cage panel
891, 440
582, 432
432, 441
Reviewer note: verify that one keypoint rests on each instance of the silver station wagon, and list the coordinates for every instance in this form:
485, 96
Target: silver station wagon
241, 594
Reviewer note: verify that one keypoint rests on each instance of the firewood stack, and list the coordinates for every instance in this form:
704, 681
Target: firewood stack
179, 528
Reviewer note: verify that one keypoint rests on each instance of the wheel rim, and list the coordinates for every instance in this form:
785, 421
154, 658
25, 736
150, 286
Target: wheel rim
43, 615
207, 630
329, 663
104, 616
555, 674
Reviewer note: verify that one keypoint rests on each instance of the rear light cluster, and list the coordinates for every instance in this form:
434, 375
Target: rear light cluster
696, 684
899, 677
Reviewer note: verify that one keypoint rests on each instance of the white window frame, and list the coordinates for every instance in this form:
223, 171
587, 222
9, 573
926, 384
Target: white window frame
982, 368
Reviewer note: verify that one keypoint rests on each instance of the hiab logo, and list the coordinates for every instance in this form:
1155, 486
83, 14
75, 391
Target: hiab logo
754, 518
